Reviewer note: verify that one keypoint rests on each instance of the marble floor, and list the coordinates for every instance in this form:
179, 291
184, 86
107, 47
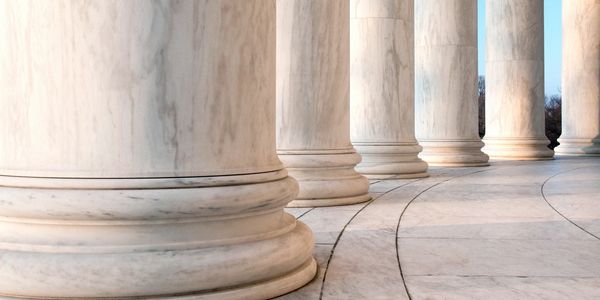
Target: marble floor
514, 230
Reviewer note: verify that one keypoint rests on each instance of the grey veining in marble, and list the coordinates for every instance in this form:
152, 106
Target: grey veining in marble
118, 121
514, 107
381, 89
580, 79
313, 125
446, 83
130, 85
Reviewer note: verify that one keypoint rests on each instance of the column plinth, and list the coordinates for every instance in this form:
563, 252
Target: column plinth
446, 104
518, 148
382, 89
454, 153
581, 79
578, 146
313, 138
326, 177
514, 107
137, 157
391, 161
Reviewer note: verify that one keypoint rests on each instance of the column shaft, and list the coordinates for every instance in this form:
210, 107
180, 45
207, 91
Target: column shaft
382, 90
581, 79
514, 107
313, 138
137, 153
446, 82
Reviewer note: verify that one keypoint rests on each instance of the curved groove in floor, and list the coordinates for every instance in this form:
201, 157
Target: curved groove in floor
555, 209
346, 225
487, 235
406, 207
304, 213
519, 257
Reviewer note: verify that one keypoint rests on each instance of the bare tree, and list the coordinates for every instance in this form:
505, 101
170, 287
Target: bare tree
553, 119
481, 102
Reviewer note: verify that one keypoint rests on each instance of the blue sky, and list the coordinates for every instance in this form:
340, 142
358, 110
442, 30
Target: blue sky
552, 43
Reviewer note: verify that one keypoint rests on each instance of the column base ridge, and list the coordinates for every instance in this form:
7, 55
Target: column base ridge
326, 179
231, 240
391, 161
330, 201
256, 291
578, 147
168, 274
454, 153
518, 148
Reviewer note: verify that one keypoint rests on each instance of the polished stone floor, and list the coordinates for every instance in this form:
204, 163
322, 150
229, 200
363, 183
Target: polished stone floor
514, 230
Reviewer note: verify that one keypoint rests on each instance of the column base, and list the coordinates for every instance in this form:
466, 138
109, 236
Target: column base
518, 149
260, 290
222, 237
391, 161
326, 177
453, 153
578, 147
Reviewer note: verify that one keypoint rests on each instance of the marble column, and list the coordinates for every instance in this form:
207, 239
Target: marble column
580, 79
514, 107
313, 134
382, 89
446, 90
137, 153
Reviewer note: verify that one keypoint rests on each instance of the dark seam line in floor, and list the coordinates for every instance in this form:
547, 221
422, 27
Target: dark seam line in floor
346, 225
302, 215
404, 210
486, 239
558, 212
504, 276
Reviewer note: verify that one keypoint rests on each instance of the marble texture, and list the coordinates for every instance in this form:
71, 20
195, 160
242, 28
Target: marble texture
364, 265
381, 89
322, 253
313, 134
514, 106
468, 233
499, 257
138, 156
581, 208
327, 223
580, 79
495, 211
446, 83
126, 79
524, 287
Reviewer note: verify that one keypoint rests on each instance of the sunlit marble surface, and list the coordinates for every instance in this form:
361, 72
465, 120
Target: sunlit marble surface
514, 230
581, 79
382, 114
313, 113
111, 89
514, 107
446, 104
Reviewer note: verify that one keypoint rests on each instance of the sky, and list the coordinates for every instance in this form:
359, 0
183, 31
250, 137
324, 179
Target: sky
552, 43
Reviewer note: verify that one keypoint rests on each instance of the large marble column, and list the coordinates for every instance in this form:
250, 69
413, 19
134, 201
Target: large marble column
313, 134
514, 107
446, 83
580, 79
382, 90
137, 153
